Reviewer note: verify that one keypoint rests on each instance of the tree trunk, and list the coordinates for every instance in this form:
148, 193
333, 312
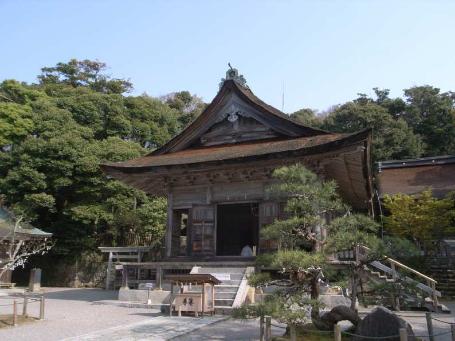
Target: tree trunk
314, 285
354, 285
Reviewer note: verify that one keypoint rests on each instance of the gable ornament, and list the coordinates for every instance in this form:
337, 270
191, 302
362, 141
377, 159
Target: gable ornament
233, 74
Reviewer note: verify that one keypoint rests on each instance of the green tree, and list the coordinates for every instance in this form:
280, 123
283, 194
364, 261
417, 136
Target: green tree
307, 117
392, 138
189, 106
432, 115
420, 218
83, 73
55, 136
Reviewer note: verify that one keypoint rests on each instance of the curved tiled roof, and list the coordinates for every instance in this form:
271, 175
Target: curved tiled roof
236, 151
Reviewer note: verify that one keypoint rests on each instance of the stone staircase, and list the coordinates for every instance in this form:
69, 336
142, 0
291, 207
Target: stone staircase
443, 270
378, 272
233, 288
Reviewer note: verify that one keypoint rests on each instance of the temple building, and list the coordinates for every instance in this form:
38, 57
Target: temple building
215, 173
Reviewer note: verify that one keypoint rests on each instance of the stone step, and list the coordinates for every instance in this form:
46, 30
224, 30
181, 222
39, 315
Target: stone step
223, 310
226, 270
224, 302
225, 295
226, 288
231, 282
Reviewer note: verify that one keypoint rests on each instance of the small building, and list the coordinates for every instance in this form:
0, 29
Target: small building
413, 176
13, 234
216, 172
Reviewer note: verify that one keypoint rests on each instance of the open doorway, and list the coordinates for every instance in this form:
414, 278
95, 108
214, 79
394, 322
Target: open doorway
237, 227
180, 233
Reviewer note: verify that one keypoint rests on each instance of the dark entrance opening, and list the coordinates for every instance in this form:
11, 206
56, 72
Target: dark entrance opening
237, 227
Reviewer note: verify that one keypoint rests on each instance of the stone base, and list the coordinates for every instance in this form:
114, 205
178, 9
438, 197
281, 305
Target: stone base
156, 297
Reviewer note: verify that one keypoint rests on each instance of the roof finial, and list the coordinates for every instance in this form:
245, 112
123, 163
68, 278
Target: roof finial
233, 74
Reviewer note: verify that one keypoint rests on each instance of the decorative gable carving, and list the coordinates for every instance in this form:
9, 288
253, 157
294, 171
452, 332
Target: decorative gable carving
236, 128
239, 115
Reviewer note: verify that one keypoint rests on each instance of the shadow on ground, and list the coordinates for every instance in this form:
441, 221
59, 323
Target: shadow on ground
87, 295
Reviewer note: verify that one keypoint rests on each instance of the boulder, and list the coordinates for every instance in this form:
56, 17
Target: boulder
339, 313
382, 322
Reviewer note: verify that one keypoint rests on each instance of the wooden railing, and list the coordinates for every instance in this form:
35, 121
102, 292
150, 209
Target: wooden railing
395, 265
360, 253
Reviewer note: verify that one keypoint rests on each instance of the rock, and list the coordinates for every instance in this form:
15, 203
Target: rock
382, 322
339, 313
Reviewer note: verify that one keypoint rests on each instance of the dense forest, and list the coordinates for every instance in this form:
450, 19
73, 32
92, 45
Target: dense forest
55, 133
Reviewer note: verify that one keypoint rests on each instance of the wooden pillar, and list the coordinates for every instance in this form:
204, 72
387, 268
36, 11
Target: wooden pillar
125, 278
268, 328
403, 334
108, 271
203, 299
430, 326
41, 310
337, 332
169, 223
171, 298
15, 313
24, 307
159, 278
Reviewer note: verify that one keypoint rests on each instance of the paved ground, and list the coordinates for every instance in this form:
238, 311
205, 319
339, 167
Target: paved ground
75, 314
228, 330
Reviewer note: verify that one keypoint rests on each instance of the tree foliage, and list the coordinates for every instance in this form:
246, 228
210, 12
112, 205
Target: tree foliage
421, 218
53, 137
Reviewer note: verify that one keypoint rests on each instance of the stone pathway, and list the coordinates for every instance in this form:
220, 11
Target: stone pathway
156, 329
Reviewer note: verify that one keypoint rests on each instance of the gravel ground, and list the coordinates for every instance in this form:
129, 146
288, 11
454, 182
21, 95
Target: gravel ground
75, 313
72, 312
234, 330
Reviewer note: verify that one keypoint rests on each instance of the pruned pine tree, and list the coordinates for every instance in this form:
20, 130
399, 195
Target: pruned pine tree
301, 238
307, 239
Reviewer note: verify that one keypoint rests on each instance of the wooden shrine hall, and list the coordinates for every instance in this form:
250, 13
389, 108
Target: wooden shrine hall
216, 171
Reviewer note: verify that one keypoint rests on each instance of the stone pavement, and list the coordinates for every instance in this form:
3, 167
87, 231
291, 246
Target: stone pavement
77, 314
156, 329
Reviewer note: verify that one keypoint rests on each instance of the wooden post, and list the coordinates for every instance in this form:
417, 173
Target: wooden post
261, 328
203, 299
268, 328
430, 326
394, 271
337, 332
452, 329
434, 296
293, 332
14, 313
158, 278
41, 308
171, 298
108, 271
403, 334
180, 311
24, 307
125, 278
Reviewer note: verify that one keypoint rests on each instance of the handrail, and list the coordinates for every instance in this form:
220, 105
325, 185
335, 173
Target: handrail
401, 265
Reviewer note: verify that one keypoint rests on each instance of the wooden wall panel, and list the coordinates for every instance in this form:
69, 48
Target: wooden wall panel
187, 197
240, 191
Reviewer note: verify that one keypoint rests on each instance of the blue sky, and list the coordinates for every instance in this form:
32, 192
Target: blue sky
321, 52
